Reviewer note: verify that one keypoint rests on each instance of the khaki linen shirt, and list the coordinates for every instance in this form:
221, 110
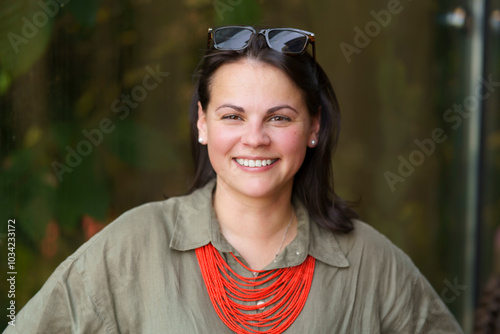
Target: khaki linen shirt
141, 275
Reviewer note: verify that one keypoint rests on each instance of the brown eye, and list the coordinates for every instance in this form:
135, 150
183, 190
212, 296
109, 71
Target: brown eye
279, 119
232, 117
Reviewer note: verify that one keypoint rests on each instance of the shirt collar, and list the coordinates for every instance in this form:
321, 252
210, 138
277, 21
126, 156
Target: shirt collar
196, 226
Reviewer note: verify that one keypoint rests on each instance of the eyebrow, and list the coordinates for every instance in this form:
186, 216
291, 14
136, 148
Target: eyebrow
269, 111
232, 106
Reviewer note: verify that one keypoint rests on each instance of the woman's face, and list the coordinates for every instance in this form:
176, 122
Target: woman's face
257, 128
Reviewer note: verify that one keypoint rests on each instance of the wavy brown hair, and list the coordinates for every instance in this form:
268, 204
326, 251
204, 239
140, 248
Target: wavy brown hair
313, 183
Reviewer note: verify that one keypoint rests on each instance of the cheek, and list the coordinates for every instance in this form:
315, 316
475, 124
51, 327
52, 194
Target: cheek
294, 143
222, 133
220, 141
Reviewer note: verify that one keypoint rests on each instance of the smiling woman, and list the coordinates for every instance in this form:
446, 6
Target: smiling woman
262, 243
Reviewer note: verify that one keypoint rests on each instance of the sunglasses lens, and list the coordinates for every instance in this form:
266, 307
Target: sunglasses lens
232, 38
287, 41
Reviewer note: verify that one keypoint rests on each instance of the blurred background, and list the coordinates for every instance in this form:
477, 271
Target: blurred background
93, 121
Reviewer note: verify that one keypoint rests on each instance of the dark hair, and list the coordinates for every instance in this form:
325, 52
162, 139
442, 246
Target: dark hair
313, 183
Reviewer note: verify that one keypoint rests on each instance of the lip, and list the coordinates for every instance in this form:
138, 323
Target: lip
254, 157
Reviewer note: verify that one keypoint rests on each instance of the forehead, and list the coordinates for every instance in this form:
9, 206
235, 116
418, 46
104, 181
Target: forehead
253, 79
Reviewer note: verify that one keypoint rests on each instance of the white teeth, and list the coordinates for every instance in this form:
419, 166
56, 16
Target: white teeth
255, 163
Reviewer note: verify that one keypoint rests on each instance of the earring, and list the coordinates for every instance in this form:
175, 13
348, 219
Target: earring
200, 140
313, 142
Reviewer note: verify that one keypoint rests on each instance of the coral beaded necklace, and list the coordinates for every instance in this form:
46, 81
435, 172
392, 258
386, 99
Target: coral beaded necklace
285, 294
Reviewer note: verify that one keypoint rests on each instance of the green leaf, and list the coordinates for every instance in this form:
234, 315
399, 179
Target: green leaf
25, 28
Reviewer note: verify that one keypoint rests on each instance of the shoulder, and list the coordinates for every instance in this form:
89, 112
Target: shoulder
382, 272
364, 251
408, 301
381, 265
132, 248
135, 237
142, 232
365, 237
142, 227
373, 253
104, 272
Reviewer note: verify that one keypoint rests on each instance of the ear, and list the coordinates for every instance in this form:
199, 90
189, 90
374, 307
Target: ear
314, 130
201, 124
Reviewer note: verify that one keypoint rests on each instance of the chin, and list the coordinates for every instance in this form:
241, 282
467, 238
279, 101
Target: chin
261, 189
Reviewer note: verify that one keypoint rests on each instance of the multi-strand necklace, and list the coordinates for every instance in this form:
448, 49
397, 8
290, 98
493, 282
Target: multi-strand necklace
273, 308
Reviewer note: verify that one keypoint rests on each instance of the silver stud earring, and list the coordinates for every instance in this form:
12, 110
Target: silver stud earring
200, 140
313, 142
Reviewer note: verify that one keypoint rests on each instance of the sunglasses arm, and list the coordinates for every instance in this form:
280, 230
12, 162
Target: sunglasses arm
209, 37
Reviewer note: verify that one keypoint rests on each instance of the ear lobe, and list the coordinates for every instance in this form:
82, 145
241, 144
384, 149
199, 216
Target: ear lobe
315, 126
201, 124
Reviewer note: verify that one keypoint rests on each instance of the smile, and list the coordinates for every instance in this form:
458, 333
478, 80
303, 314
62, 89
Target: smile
255, 163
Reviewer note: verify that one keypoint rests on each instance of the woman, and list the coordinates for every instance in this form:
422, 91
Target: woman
262, 243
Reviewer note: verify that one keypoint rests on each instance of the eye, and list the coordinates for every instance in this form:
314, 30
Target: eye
232, 117
278, 118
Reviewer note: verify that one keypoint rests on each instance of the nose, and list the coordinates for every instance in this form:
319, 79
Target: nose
255, 135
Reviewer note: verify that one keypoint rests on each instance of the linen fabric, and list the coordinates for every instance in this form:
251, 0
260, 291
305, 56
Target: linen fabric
140, 275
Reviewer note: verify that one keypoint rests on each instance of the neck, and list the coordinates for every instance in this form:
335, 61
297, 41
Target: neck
255, 226
258, 218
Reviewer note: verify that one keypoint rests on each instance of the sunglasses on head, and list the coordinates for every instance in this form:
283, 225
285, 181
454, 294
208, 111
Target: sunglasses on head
284, 40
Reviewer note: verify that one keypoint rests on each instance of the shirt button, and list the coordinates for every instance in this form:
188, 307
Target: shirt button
297, 252
255, 274
260, 303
